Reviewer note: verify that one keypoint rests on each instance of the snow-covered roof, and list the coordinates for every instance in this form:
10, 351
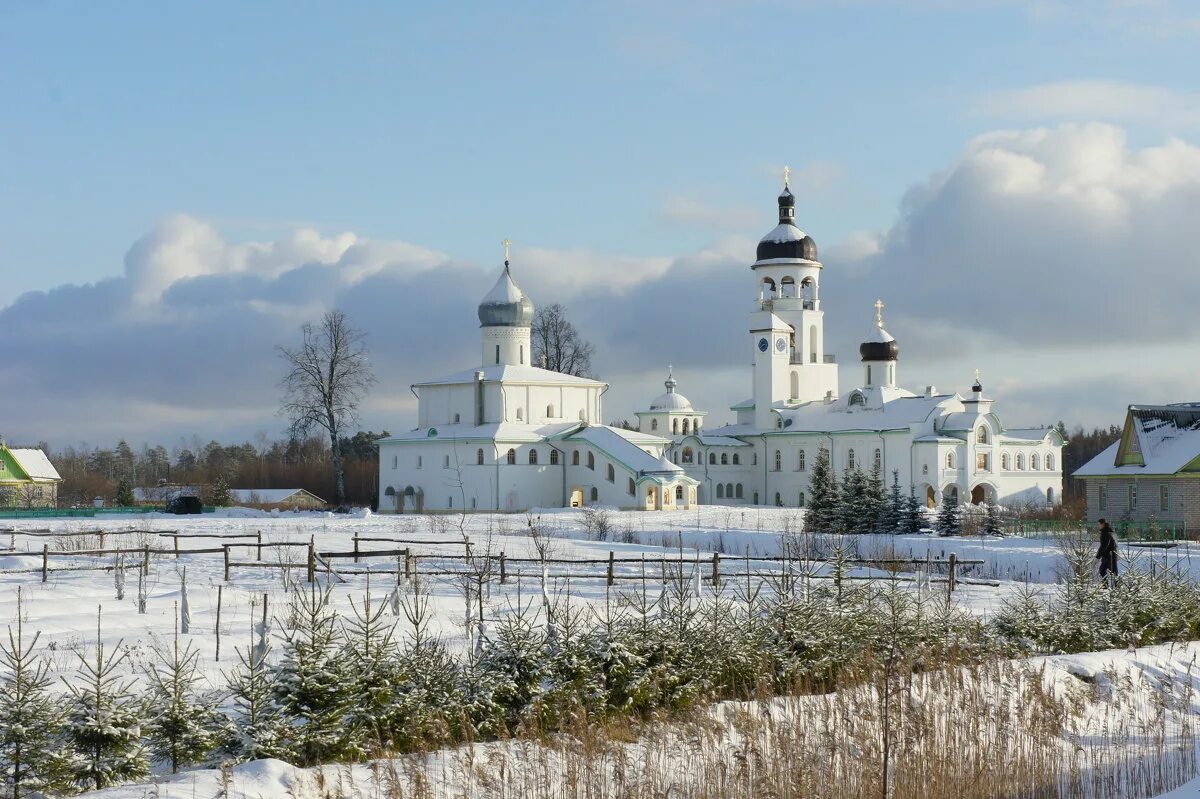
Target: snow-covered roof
784, 231
512, 374
1164, 438
720, 441
35, 464
881, 335
640, 438
1028, 433
613, 441
499, 431
897, 413
268, 496
505, 290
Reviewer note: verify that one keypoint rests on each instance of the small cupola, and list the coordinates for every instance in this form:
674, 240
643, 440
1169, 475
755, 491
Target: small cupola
879, 353
506, 305
786, 241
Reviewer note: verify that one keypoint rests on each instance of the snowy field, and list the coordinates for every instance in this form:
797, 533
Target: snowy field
64, 608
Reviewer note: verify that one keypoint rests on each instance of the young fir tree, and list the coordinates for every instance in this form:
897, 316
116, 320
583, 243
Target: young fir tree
821, 508
105, 723
314, 683
221, 497
949, 519
913, 520
184, 726
373, 663
259, 731
893, 513
991, 520
125, 496
31, 719
855, 507
874, 502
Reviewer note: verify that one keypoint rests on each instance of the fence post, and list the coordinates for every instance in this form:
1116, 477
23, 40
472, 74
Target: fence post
953, 574
101, 532
175, 538
217, 626
503, 569
45, 562
716, 570
258, 547
146, 560
467, 559
225, 549
407, 564
312, 562
609, 574
356, 549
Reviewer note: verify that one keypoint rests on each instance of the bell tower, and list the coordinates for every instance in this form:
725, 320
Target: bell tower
505, 322
787, 280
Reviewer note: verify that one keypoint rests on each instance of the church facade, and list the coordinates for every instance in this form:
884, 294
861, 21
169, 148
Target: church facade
510, 436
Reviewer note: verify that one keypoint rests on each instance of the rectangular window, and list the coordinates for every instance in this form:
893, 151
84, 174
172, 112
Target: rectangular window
418, 461
395, 461
1102, 498
1133, 497
1164, 498
981, 462
445, 461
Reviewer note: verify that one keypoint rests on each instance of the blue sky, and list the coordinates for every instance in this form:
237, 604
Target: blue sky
628, 130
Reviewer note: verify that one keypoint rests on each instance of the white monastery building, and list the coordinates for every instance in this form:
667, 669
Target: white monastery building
507, 435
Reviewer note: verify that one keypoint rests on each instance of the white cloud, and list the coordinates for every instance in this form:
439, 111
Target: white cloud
1088, 100
1062, 261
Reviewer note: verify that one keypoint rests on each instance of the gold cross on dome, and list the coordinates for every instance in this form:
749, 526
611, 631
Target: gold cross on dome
879, 306
978, 374
506, 242
786, 176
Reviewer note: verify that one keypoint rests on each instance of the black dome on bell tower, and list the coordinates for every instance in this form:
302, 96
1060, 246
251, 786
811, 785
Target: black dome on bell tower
787, 241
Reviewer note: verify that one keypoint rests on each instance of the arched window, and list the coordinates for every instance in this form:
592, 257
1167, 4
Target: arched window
1035, 462
728, 490
631, 488
685, 427
653, 424
738, 490
611, 473
1049, 461
674, 427
479, 456
850, 459
1005, 463
801, 499
688, 455
512, 457
549, 411
778, 460
724, 459
857, 400
778, 500
520, 414
595, 494
592, 461
720, 491
878, 463
949, 460
533, 457
678, 493
755, 497
457, 418
553, 457
981, 435
1049, 496
712, 458
1020, 461
575, 458
736, 459
801, 461
787, 287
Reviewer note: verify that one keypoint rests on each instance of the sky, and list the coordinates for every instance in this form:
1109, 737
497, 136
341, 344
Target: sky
183, 187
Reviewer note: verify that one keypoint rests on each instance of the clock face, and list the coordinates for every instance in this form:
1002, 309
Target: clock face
763, 345
780, 344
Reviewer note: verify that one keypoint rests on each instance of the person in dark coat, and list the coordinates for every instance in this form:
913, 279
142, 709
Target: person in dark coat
1107, 553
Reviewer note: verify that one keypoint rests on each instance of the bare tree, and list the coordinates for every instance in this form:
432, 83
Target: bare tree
557, 341
328, 376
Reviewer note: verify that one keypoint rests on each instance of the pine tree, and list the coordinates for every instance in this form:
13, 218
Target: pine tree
259, 731
31, 719
184, 726
855, 507
991, 521
221, 496
821, 509
313, 686
894, 505
125, 496
949, 520
105, 723
373, 661
874, 502
912, 518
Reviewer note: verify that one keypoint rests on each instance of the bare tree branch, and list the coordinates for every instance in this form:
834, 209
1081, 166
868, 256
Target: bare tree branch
557, 340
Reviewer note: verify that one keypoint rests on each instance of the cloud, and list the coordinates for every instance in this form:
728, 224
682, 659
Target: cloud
1090, 100
1061, 261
